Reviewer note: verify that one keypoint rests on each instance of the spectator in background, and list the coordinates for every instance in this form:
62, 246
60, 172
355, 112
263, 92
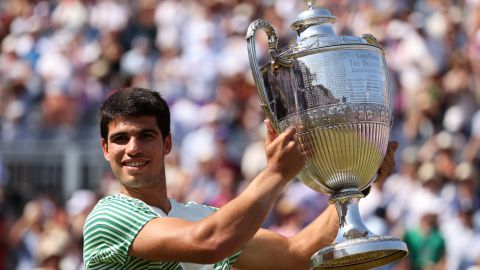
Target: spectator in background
467, 193
427, 196
399, 188
49, 236
289, 218
459, 229
425, 242
25, 235
225, 178
461, 240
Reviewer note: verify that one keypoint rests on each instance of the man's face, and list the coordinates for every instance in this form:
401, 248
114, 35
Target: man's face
135, 149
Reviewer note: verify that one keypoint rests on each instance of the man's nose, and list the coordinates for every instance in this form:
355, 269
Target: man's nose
133, 146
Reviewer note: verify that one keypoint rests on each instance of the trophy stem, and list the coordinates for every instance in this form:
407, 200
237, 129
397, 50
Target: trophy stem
350, 222
355, 247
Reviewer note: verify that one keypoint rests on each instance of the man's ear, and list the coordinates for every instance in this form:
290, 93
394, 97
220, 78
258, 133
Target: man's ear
167, 144
105, 149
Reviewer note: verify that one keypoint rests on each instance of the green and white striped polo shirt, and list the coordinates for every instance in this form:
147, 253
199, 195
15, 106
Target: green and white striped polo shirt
116, 220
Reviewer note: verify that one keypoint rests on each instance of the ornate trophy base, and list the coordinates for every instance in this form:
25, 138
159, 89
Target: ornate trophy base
360, 253
355, 246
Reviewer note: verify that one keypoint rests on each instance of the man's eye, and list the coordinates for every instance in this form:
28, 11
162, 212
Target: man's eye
147, 135
120, 139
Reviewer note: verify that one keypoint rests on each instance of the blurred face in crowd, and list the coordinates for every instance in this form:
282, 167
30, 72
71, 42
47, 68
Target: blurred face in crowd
136, 149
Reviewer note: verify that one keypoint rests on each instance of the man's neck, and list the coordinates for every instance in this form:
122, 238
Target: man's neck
150, 196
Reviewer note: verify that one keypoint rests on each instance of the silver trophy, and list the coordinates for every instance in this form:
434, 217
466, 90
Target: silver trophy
335, 91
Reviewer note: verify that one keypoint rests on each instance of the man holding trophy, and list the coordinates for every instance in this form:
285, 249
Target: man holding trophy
141, 228
331, 132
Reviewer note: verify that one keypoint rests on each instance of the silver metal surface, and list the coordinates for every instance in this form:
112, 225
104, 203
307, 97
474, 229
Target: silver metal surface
335, 91
355, 247
338, 99
360, 253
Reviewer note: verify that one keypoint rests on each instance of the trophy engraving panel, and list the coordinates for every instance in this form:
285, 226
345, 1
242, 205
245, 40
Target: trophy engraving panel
347, 76
330, 88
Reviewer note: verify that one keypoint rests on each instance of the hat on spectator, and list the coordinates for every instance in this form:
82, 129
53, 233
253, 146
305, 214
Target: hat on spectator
465, 171
211, 113
455, 118
53, 243
80, 201
445, 140
427, 172
409, 155
432, 207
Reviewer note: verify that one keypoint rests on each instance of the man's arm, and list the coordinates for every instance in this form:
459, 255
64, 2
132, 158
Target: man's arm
270, 250
231, 227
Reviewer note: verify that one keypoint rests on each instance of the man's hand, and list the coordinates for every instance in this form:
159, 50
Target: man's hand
282, 151
388, 163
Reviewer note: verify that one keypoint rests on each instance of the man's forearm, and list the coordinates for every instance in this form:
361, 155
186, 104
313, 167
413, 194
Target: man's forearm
237, 222
270, 250
318, 234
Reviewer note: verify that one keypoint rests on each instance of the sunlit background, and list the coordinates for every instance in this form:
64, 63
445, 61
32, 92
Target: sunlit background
60, 59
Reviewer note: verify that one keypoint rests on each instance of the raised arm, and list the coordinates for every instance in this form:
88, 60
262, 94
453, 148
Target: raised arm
270, 250
230, 228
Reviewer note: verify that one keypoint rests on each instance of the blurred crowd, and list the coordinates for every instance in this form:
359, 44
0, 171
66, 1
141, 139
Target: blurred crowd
60, 58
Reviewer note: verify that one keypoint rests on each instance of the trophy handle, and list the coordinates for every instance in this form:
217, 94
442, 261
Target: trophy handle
275, 61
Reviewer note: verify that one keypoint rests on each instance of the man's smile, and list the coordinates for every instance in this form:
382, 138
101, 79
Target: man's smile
134, 164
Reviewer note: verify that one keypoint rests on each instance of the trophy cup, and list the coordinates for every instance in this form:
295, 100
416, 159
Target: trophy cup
335, 91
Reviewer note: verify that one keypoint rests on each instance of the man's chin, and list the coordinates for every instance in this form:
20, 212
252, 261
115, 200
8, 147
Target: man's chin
132, 182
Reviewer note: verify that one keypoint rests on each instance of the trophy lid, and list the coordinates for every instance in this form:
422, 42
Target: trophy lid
314, 28
314, 21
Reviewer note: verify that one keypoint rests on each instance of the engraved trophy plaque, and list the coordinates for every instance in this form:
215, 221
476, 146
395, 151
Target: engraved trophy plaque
335, 91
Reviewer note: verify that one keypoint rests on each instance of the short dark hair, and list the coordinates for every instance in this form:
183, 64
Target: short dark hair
134, 101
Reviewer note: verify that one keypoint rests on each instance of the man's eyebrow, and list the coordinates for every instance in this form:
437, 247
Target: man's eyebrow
141, 131
149, 130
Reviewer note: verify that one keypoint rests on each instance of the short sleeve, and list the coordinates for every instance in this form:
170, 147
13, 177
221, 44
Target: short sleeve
111, 228
228, 262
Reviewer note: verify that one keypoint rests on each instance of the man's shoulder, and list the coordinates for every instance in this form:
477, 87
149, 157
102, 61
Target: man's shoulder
118, 206
111, 227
